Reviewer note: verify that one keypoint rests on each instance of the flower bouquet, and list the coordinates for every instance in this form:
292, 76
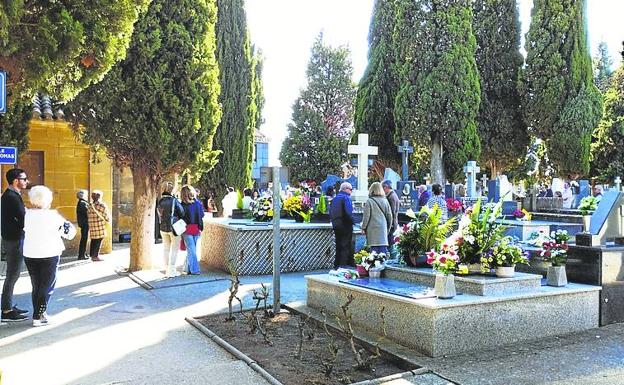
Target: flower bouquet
262, 209
588, 205
446, 262
522, 215
454, 206
298, 206
555, 251
504, 256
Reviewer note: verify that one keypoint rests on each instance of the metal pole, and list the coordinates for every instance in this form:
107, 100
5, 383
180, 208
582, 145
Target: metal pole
276, 240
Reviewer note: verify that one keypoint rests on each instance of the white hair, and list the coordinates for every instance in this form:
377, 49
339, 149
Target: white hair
345, 186
40, 196
99, 193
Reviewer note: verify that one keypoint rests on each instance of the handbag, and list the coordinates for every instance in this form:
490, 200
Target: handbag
178, 227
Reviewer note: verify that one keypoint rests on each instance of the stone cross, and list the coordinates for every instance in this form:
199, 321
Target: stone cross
405, 149
362, 150
618, 183
471, 169
427, 178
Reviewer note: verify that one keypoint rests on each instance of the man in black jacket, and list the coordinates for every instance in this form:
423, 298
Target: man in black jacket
82, 207
341, 215
12, 223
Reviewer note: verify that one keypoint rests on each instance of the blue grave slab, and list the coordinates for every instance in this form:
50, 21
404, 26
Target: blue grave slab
493, 190
599, 217
408, 195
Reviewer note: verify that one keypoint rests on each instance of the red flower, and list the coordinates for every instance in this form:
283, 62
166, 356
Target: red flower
442, 259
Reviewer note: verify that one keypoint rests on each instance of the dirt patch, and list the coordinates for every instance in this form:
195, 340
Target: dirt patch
280, 356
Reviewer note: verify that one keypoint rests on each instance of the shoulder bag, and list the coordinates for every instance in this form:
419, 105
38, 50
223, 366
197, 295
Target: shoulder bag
178, 227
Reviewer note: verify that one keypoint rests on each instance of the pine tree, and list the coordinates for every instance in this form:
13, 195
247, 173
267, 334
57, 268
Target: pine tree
235, 133
503, 133
156, 112
606, 151
602, 67
322, 120
439, 94
562, 104
374, 104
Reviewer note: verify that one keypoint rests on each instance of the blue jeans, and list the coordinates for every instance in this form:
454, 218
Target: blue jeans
192, 265
42, 273
14, 260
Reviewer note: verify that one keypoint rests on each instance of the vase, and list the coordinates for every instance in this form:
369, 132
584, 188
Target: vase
505, 271
375, 272
586, 223
362, 272
444, 286
556, 276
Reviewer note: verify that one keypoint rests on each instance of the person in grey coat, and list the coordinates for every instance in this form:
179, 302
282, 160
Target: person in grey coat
377, 219
393, 200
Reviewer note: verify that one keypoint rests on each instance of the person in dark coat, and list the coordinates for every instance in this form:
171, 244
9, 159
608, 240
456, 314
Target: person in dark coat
12, 223
82, 207
193, 216
341, 216
393, 199
169, 211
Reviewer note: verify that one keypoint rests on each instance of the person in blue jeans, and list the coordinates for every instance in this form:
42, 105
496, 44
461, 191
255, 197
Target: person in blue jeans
194, 218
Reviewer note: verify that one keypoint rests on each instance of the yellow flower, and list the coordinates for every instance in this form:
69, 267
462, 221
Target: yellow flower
270, 212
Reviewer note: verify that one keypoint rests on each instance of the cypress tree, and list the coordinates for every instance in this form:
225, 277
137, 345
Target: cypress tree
439, 94
562, 104
602, 67
156, 112
503, 133
235, 133
317, 139
374, 103
606, 151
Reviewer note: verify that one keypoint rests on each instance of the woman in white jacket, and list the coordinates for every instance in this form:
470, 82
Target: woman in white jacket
43, 247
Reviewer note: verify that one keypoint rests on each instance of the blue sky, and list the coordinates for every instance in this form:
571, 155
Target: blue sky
285, 29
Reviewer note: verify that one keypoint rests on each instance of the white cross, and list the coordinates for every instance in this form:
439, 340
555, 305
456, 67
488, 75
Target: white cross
618, 183
362, 150
471, 169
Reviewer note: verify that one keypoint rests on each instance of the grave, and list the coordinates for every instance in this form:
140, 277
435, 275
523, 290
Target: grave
508, 310
363, 151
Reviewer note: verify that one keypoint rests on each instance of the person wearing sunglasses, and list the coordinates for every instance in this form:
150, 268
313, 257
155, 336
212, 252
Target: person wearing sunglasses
12, 223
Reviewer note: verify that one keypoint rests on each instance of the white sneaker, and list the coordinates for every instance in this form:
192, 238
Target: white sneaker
43, 321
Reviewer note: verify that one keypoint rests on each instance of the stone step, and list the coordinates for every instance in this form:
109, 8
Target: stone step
467, 322
482, 285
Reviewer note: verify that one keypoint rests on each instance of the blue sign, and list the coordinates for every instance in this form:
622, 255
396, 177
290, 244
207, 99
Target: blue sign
8, 155
2, 92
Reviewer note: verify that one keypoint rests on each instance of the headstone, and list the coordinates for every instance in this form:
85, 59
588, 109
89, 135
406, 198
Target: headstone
484, 180
362, 150
618, 183
493, 190
505, 188
449, 190
392, 176
334, 181
427, 179
584, 190
606, 221
408, 195
509, 207
556, 185
405, 149
471, 169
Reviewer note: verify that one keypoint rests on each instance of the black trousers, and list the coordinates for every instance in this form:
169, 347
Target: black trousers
344, 247
13, 253
42, 273
94, 249
84, 237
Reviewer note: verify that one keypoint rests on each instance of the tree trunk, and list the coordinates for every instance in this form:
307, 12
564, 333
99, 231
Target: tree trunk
437, 161
493, 169
146, 190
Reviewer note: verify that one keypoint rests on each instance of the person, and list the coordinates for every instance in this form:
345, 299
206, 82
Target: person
558, 194
549, 192
255, 195
229, 202
211, 205
542, 191
341, 216
98, 219
423, 195
438, 199
377, 219
247, 199
460, 191
169, 211
567, 196
194, 218
82, 217
43, 247
393, 200
330, 192
12, 223
598, 192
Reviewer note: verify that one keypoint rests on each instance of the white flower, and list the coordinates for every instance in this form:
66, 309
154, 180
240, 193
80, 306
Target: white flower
469, 238
261, 212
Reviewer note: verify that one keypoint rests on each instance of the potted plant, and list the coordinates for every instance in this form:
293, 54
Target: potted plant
445, 262
587, 206
555, 251
298, 207
369, 263
262, 209
504, 257
425, 232
320, 211
477, 233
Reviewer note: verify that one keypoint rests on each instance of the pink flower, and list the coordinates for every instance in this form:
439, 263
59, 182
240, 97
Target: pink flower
430, 260
442, 259
397, 239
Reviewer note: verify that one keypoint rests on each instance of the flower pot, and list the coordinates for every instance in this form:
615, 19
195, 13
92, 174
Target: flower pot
362, 272
505, 271
586, 223
444, 286
417, 260
375, 273
556, 276
474, 268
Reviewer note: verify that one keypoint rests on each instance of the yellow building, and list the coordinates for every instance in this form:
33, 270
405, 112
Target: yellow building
56, 159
